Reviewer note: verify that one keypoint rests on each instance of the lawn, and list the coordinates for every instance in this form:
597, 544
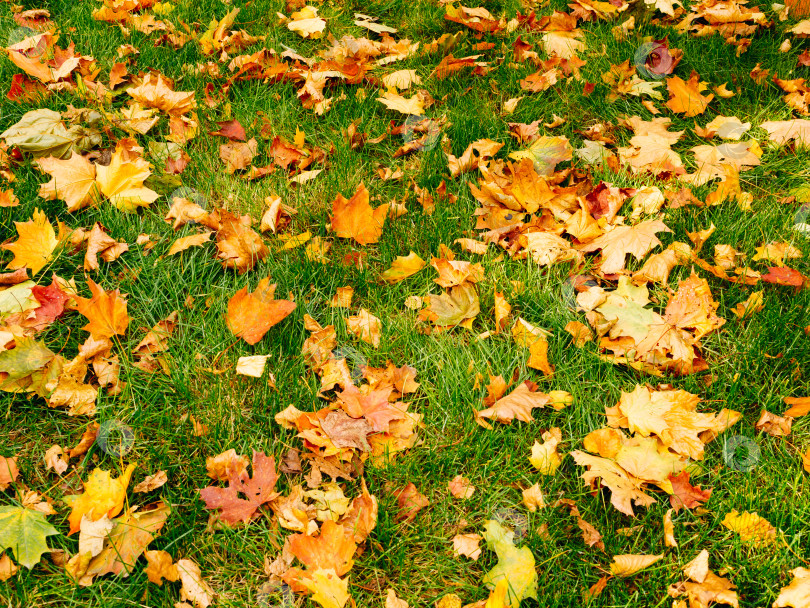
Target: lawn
541, 287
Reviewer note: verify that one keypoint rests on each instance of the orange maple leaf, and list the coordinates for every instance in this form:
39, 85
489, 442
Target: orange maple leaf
332, 549
106, 311
251, 315
685, 96
356, 219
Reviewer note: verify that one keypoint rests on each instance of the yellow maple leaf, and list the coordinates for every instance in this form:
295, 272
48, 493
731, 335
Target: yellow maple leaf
102, 496
393, 101
122, 180
750, 526
327, 588
36, 243
544, 455
72, 180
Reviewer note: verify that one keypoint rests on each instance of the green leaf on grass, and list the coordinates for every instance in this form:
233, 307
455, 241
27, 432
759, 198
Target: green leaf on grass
24, 532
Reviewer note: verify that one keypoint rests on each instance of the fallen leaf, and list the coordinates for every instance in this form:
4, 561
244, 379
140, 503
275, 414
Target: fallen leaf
515, 566
151, 482
251, 314
460, 487
354, 218
25, 532
35, 244
366, 327
103, 496
751, 527
467, 545
403, 267
410, 502
628, 565
106, 312
257, 490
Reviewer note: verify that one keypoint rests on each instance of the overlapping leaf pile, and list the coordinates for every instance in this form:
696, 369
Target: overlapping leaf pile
667, 432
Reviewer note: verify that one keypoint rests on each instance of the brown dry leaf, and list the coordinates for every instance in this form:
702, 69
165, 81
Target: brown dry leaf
628, 565
467, 545
366, 327
151, 482
238, 245
55, 459
517, 405
251, 315
392, 601
706, 587
354, 218
194, 588
785, 131
460, 487
456, 272
669, 530
156, 92
342, 297
579, 332
751, 527
502, 311
99, 243
698, 568
410, 502
238, 155
160, 566
156, 339
86, 442
777, 426
685, 97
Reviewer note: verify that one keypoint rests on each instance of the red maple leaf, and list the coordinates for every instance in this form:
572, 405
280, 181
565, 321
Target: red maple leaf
782, 275
257, 490
684, 494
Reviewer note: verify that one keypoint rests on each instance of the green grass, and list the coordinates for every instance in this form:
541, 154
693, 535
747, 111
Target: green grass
752, 364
